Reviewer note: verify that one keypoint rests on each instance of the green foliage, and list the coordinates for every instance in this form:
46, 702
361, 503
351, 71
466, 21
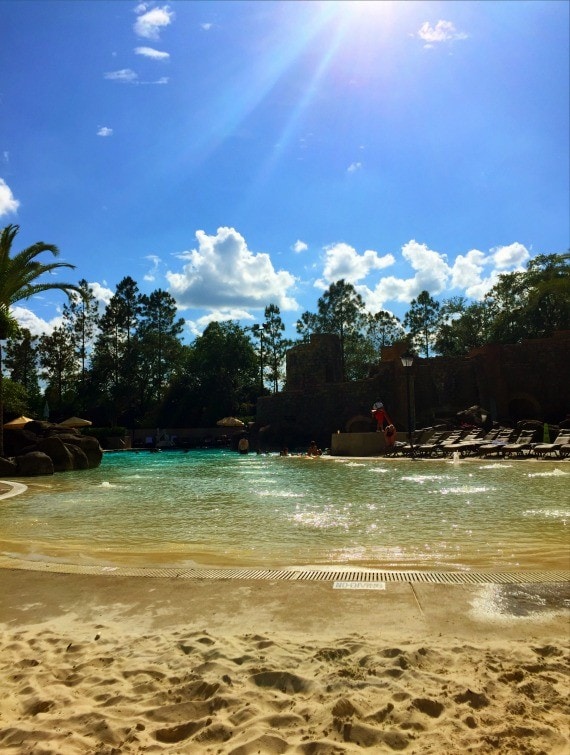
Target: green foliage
383, 329
521, 305
158, 344
81, 319
21, 359
19, 280
129, 365
272, 347
341, 312
105, 432
115, 369
422, 320
59, 365
220, 374
16, 399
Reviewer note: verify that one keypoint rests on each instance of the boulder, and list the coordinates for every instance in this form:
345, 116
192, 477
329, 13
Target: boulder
89, 445
58, 453
34, 464
57, 442
18, 441
8, 468
80, 460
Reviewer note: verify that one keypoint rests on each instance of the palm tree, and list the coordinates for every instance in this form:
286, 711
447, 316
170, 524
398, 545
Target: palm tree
18, 281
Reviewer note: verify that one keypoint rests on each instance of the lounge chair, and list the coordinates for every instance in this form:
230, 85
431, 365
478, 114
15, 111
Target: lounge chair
564, 449
434, 446
418, 436
469, 443
559, 448
522, 446
496, 445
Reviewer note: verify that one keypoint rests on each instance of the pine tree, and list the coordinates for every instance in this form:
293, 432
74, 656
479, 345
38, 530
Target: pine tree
159, 345
81, 318
422, 321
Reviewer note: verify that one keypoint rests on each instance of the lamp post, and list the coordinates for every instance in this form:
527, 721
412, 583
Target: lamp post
261, 332
407, 361
261, 358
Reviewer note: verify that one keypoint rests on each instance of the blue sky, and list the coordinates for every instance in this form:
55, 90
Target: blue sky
239, 154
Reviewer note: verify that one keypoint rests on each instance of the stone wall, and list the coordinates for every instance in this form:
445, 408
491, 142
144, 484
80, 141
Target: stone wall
315, 363
529, 380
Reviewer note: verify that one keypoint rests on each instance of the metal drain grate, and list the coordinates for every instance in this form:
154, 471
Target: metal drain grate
300, 575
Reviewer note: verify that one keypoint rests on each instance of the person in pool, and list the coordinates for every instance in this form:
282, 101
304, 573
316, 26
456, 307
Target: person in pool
313, 449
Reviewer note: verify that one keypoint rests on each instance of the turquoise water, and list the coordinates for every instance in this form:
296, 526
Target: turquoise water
222, 508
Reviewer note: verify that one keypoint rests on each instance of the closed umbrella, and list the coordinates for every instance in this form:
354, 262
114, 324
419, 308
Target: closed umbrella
230, 422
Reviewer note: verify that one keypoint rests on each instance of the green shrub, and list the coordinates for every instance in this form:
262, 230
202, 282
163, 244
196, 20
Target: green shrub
106, 432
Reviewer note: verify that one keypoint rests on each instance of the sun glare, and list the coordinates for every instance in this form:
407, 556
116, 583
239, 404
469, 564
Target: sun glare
369, 7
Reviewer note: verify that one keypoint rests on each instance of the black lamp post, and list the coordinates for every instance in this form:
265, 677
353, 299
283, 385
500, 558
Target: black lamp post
262, 331
407, 361
261, 358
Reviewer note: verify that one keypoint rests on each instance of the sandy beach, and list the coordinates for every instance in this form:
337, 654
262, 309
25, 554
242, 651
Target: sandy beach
110, 664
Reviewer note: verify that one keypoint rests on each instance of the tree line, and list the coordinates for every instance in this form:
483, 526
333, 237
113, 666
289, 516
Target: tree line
526, 304
128, 364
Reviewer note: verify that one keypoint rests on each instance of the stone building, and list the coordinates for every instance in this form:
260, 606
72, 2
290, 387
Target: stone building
527, 380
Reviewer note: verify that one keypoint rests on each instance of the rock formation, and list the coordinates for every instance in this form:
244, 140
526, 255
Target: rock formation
42, 448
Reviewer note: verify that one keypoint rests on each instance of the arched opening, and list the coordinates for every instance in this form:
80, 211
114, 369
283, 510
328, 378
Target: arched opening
360, 424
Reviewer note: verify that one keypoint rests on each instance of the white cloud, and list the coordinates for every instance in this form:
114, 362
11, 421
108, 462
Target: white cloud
392, 289
477, 273
222, 273
151, 275
468, 269
299, 246
8, 203
105, 131
510, 257
443, 31
150, 52
477, 290
206, 26
102, 293
432, 270
125, 76
343, 261
472, 274
197, 327
151, 22
432, 274
353, 167
36, 325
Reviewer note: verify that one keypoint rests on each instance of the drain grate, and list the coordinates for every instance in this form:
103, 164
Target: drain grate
300, 575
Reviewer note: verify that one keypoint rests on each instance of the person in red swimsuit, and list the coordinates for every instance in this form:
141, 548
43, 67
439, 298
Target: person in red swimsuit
381, 416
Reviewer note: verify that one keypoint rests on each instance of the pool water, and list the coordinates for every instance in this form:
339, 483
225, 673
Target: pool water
221, 508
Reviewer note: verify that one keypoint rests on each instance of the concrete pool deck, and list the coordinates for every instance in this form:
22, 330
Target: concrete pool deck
297, 608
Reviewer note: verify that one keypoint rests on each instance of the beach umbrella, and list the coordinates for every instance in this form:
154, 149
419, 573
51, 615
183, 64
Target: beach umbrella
19, 422
230, 422
76, 422
546, 433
